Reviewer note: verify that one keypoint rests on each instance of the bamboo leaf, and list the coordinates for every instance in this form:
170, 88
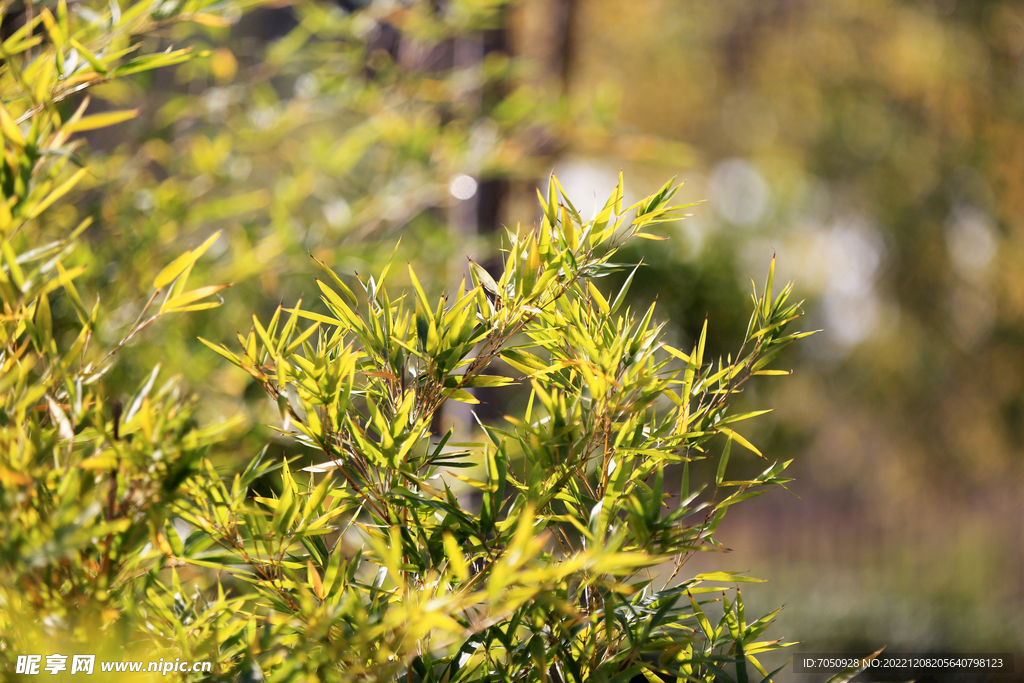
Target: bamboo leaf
10, 128
739, 438
89, 57
178, 265
103, 120
189, 297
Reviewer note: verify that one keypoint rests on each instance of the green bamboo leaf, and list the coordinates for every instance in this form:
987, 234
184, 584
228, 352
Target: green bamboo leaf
744, 416
44, 323
142, 394
420, 294
223, 351
10, 129
93, 60
103, 120
699, 355
768, 287
178, 265
286, 506
57, 193
150, 62
338, 282
481, 381
179, 303
316, 497
599, 299
482, 278
727, 577
739, 438
723, 462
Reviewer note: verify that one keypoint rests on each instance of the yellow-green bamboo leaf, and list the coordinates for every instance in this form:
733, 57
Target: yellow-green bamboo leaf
739, 439
89, 57
190, 297
103, 120
57, 193
178, 265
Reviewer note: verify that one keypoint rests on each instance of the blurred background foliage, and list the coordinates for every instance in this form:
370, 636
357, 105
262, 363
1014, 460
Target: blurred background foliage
876, 146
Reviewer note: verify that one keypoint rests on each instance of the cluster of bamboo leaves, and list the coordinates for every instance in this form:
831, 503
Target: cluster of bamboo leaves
564, 563
561, 563
85, 481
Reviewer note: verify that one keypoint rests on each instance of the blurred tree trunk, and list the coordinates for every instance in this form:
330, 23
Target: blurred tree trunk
542, 32
539, 31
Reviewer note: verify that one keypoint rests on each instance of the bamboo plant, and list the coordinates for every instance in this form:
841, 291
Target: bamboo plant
561, 559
